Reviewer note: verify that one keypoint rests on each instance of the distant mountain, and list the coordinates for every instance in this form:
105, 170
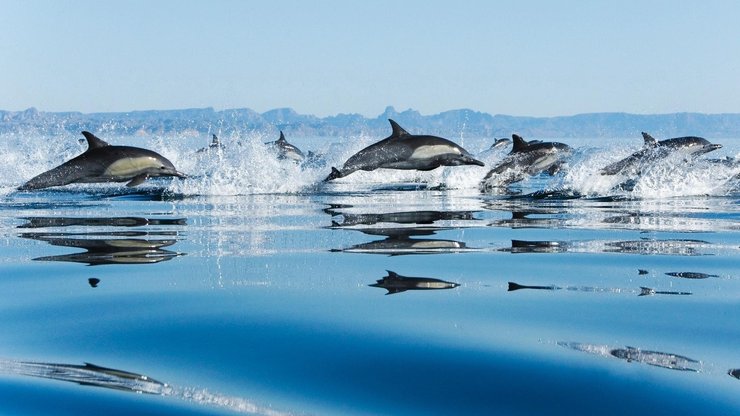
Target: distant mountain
451, 124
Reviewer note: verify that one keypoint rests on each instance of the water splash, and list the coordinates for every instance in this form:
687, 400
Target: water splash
673, 176
247, 166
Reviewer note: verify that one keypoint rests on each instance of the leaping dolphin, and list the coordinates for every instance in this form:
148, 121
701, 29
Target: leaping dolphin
527, 158
287, 150
215, 145
690, 146
405, 151
102, 162
500, 143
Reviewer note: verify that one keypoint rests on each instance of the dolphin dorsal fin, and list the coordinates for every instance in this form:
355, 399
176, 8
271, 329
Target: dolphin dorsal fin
649, 140
398, 131
519, 143
282, 137
93, 142
392, 275
215, 141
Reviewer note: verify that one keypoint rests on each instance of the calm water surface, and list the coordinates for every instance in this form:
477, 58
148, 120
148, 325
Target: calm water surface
374, 295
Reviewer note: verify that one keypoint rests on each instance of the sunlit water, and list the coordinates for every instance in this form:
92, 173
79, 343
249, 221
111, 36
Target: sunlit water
247, 287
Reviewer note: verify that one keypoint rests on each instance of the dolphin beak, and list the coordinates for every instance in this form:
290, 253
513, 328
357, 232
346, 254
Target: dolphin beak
174, 172
708, 148
472, 161
712, 147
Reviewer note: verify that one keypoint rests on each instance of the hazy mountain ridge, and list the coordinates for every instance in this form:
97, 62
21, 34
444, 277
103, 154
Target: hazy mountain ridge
451, 124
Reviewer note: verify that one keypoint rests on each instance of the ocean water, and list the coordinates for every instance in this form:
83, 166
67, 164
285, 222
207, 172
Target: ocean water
252, 287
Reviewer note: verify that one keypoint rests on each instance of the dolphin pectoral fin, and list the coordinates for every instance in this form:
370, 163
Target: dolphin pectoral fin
137, 180
555, 168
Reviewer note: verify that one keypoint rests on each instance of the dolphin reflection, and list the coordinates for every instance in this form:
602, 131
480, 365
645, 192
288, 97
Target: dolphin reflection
632, 354
643, 291
86, 375
691, 275
47, 222
109, 250
107, 247
644, 246
426, 217
395, 283
110, 378
402, 241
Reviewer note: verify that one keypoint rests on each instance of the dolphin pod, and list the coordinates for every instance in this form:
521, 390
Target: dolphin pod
102, 162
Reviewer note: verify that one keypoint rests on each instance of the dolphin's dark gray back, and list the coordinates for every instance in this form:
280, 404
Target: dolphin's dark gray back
68, 172
93, 142
64, 174
649, 140
397, 131
519, 144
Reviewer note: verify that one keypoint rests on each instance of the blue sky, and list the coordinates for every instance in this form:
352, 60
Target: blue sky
539, 58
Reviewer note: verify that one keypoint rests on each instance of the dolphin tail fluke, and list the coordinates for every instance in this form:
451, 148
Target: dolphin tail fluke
335, 173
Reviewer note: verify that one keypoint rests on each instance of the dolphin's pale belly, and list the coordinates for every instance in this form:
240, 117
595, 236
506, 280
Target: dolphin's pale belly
425, 158
433, 285
433, 151
542, 162
437, 244
129, 167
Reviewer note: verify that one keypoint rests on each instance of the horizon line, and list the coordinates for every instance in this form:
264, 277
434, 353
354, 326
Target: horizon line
385, 111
